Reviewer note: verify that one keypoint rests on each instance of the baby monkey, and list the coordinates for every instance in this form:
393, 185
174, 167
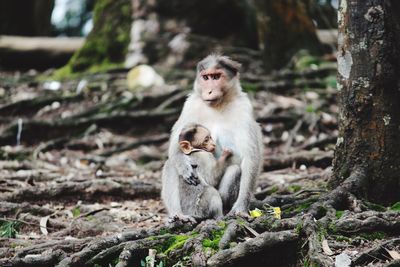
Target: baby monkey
199, 200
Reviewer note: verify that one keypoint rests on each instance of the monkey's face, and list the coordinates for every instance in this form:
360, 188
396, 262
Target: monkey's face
203, 140
212, 84
196, 137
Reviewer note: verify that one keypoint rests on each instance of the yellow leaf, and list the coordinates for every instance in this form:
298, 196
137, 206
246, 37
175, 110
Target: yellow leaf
277, 212
256, 213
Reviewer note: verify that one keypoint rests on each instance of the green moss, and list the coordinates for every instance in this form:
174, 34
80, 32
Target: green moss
395, 206
332, 228
373, 236
294, 188
374, 206
299, 228
176, 242
107, 44
302, 207
339, 214
172, 243
213, 241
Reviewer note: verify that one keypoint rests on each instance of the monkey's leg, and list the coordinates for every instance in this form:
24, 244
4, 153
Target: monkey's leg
229, 186
249, 169
209, 204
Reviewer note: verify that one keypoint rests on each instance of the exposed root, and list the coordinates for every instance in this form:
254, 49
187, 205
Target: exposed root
376, 252
247, 251
128, 188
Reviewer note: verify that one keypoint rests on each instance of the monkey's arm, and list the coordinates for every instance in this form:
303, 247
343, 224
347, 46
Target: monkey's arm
220, 166
250, 168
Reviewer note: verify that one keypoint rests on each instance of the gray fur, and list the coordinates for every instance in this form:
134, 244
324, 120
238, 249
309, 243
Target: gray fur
234, 127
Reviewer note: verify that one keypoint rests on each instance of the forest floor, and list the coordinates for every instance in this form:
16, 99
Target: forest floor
80, 167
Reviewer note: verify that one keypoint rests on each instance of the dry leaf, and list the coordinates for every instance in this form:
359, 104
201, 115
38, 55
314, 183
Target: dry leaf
394, 254
43, 225
325, 247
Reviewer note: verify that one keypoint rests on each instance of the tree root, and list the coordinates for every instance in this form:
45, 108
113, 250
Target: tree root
98, 245
248, 250
376, 252
317, 158
35, 260
45, 130
368, 221
129, 188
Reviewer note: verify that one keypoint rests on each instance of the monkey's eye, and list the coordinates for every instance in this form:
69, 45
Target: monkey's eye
216, 76
205, 77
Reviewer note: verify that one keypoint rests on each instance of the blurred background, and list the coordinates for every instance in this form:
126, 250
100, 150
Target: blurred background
89, 91
278, 29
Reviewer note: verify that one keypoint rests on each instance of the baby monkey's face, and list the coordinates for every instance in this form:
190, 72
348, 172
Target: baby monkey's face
203, 140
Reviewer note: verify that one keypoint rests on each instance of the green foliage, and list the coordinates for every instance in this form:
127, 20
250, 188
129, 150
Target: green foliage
151, 261
249, 87
311, 109
186, 261
76, 211
306, 61
308, 263
299, 228
331, 81
395, 206
9, 229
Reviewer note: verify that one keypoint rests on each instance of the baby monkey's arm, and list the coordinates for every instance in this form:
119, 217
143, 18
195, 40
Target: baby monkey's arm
220, 166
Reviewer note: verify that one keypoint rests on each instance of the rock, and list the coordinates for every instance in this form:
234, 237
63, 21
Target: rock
143, 76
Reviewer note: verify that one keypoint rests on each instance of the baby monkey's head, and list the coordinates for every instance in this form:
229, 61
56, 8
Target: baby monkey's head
194, 137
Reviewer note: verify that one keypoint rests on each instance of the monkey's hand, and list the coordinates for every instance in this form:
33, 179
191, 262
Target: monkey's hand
187, 171
226, 153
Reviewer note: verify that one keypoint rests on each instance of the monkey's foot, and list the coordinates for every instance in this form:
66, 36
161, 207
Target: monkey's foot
241, 214
179, 219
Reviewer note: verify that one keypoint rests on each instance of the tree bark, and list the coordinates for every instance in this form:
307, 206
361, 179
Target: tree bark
369, 84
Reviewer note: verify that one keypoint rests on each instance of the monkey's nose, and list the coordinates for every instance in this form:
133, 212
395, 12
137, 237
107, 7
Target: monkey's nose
209, 92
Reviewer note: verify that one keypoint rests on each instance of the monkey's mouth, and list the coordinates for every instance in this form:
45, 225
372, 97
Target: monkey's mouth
211, 101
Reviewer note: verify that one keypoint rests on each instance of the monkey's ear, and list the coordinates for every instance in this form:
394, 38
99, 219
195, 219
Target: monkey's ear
229, 64
186, 147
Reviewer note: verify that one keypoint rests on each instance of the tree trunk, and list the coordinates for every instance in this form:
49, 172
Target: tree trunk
368, 148
29, 18
284, 28
107, 43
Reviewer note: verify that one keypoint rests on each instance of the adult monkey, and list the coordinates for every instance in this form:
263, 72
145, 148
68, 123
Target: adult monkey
218, 103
